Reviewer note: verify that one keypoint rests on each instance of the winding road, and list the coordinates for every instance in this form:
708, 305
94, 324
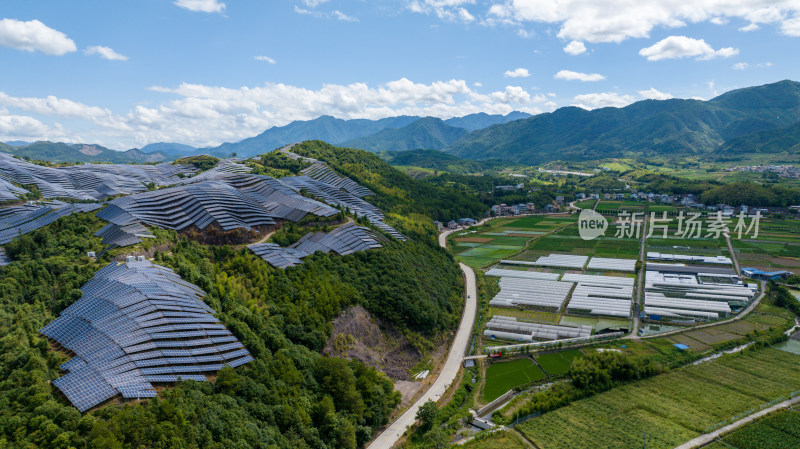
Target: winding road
391, 434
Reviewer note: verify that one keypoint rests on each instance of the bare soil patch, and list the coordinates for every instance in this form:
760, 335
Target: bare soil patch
474, 239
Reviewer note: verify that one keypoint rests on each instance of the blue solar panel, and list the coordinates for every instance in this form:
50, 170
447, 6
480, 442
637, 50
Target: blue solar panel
138, 323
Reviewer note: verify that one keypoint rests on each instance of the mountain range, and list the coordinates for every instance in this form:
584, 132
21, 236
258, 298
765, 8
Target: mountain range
753, 119
649, 127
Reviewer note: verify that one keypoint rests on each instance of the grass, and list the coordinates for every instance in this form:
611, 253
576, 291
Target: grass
496, 440
671, 408
558, 363
504, 376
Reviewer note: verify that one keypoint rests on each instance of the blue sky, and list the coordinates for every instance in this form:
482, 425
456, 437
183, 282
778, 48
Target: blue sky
125, 73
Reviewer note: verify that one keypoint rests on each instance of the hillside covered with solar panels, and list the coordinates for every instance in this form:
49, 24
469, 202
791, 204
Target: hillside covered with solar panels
204, 300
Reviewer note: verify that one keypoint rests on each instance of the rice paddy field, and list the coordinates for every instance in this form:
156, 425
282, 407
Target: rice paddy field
504, 376
777, 246
777, 431
483, 245
671, 408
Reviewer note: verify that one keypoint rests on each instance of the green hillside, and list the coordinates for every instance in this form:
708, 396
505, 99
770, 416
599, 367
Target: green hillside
771, 141
650, 127
60, 152
429, 133
291, 396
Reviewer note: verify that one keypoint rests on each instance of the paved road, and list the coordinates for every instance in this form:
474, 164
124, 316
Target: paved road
449, 372
702, 440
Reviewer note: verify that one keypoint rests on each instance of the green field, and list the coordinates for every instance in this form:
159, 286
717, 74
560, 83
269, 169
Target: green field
568, 240
671, 408
557, 363
777, 431
585, 204
502, 237
503, 376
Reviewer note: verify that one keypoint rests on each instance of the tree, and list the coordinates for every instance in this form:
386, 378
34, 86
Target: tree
427, 414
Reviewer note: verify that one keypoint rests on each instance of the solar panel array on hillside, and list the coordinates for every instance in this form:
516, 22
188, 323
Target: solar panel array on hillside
343, 240
137, 324
10, 192
322, 173
90, 181
181, 207
115, 235
18, 221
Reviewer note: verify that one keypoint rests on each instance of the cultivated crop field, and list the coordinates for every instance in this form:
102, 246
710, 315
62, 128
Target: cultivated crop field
778, 431
503, 237
557, 363
671, 408
503, 376
569, 241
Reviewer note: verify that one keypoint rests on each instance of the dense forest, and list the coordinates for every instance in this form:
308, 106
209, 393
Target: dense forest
291, 396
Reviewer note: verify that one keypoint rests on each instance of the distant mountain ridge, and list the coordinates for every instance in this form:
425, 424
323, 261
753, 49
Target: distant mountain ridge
339, 131
645, 127
426, 133
81, 153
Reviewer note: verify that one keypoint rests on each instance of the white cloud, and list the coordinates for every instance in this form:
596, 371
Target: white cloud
342, 16
201, 5
751, 27
602, 100
569, 75
450, 10
744, 65
654, 94
617, 20
208, 115
517, 73
33, 35
575, 48
791, 27
477, 84
265, 59
676, 47
313, 3
105, 53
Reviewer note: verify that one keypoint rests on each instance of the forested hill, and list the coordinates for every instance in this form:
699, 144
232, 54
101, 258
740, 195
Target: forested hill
429, 133
667, 127
290, 396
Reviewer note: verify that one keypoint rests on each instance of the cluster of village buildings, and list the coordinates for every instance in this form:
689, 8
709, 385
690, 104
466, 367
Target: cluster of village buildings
784, 171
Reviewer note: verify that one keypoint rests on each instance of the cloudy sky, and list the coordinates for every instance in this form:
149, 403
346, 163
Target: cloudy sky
201, 72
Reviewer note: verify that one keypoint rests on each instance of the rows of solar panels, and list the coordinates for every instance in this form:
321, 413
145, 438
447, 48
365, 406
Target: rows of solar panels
232, 200
135, 325
89, 181
20, 220
343, 240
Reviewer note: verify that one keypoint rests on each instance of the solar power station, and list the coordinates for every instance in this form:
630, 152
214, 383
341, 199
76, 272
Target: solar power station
10, 192
135, 325
90, 182
343, 240
115, 235
18, 221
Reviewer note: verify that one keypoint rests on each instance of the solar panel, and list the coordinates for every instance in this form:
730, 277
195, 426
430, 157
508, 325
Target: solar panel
138, 323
